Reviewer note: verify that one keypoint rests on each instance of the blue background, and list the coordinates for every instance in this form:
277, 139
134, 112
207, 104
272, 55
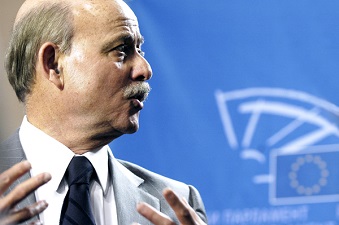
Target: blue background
199, 47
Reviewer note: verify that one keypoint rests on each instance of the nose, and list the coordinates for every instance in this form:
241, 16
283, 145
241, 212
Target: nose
141, 70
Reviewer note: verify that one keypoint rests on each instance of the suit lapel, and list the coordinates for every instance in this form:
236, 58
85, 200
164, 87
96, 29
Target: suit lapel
128, 194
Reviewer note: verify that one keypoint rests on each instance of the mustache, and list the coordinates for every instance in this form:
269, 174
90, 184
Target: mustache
138, 90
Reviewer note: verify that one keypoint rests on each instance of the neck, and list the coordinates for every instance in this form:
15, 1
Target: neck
78, 136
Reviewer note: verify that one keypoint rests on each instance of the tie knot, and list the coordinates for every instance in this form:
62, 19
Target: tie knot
79, 171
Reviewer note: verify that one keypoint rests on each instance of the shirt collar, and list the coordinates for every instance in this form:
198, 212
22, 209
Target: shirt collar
49, 155
99, 160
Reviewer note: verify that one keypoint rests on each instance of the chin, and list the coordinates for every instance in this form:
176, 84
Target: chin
133, 129
133, 125
127, 125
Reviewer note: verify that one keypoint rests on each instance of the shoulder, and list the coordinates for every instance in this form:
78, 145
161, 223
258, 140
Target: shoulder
12, 142
11, 152
156, 180
155, 183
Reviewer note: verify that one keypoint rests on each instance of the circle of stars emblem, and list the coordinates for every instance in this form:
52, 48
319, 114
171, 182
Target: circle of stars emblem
295, 169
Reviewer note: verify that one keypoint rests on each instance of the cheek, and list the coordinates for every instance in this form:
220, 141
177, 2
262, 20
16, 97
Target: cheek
95, 77
85, 75
76, 75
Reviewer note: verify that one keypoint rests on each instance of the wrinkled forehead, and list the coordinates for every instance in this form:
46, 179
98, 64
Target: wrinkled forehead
96, 14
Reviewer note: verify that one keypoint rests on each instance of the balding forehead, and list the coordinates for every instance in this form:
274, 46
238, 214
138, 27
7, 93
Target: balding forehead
98, 13
89, 6
102, 7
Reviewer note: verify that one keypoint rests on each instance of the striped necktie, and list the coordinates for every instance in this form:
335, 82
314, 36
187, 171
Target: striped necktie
76, 208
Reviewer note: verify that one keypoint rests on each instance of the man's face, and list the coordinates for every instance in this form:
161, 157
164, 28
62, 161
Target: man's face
105, 61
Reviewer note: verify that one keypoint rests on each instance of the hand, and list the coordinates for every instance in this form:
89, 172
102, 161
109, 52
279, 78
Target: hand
185, 213
8, 213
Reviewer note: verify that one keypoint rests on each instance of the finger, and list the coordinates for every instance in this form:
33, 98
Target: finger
12, 174
180, 208
194, 215
23, 190
153, 215
36, 223
26, 213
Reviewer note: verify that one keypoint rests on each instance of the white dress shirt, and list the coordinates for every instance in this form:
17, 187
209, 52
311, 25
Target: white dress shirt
48, 155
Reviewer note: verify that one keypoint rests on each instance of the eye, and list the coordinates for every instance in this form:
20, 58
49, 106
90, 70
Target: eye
120, 52
121, 48
125, 50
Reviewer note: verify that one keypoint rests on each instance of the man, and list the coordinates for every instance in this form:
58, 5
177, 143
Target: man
79, 69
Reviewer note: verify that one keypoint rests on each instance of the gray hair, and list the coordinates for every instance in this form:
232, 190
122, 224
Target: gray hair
45, 23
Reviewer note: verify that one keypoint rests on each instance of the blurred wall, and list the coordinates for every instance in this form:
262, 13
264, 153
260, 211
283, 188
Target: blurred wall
11, 111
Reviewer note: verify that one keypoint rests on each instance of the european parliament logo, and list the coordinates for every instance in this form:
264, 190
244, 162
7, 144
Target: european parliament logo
307, 176
291, 136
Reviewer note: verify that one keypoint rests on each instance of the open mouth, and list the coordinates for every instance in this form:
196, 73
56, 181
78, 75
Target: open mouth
141, 96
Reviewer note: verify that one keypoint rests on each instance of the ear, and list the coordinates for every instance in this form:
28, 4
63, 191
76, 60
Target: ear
49, 56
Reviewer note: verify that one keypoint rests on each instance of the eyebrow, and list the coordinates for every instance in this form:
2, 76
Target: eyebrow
123, 38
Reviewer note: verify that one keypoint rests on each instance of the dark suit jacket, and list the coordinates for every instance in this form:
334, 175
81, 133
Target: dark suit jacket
149, 189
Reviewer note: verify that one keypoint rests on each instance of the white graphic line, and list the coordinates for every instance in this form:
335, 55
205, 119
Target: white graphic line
226, 120
289, 128
263, 179
286, 110
253, 154
251, 126
307, 140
